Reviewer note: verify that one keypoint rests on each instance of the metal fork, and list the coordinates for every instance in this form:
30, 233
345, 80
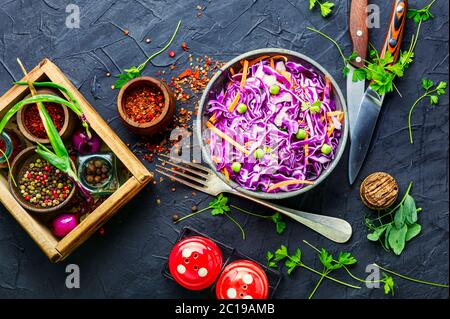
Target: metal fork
205, 180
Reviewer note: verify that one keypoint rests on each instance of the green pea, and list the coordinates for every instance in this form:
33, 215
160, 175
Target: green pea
236, 167
326, 149
301, 134
274, 89
242, 108
259, 153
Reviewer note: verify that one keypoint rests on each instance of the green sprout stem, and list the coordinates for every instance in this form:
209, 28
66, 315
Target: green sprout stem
142, 66
426, 94
412, 279
237, 224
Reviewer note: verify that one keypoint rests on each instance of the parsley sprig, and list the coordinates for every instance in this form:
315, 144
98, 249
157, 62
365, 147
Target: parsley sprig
325, 7
421, 15
135, 71
220, 206
330, 264
432, 91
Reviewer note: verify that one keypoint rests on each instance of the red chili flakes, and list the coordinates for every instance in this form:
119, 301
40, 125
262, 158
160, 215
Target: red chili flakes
143, 104
33, 122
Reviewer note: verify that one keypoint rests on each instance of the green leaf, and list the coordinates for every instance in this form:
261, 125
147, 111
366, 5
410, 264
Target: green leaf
413, 231
386, 236
397, 239
410, 209
359, 75
442, 85
375, 236
280, 227
346, 259
312, 3
345, 71
298, 256
269, 256
400, 217
290, 265
326, 259
281, 253
434, 100
427, 84
325, 8
388, 284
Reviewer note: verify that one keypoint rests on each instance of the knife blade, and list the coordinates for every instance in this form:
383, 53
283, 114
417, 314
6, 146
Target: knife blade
359, 36
371, 103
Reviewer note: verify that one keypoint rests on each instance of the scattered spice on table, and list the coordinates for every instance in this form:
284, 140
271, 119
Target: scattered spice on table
143, 104
33, 122
44, 185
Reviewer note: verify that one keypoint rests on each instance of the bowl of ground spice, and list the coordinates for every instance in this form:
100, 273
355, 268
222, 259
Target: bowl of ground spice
30, 123
146, 106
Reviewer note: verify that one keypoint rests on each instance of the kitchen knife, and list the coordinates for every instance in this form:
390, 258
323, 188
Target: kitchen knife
359, 36
371, 103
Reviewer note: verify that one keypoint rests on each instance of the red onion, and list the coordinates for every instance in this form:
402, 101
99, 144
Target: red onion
64, 224
85, 145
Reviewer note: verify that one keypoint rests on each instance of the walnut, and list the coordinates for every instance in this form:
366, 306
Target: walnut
379, 191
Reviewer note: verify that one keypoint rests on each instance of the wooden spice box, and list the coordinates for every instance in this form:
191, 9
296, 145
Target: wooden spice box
58, 249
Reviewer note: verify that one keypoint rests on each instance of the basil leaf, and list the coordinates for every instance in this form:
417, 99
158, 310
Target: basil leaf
386, 236
375, 236
413, 231
399, 218
397, 239
410, 210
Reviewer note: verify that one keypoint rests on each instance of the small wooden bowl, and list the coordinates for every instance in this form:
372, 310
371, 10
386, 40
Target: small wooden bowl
158, 124
66, 129
17, 168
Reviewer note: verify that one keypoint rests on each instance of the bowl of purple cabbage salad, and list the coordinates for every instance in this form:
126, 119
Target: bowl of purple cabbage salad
272, 123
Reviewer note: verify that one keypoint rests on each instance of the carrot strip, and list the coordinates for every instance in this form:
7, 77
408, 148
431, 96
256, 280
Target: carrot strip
244, 74
221, 134
254, 61
235, 102
227, 175
287, 183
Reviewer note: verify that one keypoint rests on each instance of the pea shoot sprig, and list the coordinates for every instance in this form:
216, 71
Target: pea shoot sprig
331, 264
136, 71
220, 206
432, 91
325, 7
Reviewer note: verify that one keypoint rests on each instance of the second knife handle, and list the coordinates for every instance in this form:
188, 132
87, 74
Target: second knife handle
359, 33
394, 35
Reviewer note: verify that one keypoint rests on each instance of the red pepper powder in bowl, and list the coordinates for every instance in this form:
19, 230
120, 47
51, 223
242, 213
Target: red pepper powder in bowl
143, 104
33, 122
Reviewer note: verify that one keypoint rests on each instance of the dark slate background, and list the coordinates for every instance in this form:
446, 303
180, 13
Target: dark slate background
126, 262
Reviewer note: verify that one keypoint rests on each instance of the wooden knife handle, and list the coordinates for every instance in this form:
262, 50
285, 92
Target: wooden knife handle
394, 35
359, 33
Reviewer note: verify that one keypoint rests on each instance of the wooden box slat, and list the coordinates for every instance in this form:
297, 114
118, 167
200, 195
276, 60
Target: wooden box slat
57, 250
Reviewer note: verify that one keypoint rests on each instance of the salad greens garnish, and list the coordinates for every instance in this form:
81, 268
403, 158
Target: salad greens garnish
325, 7
220, 206
331, 264
396, 226
135, 71
432, 91
421, 15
